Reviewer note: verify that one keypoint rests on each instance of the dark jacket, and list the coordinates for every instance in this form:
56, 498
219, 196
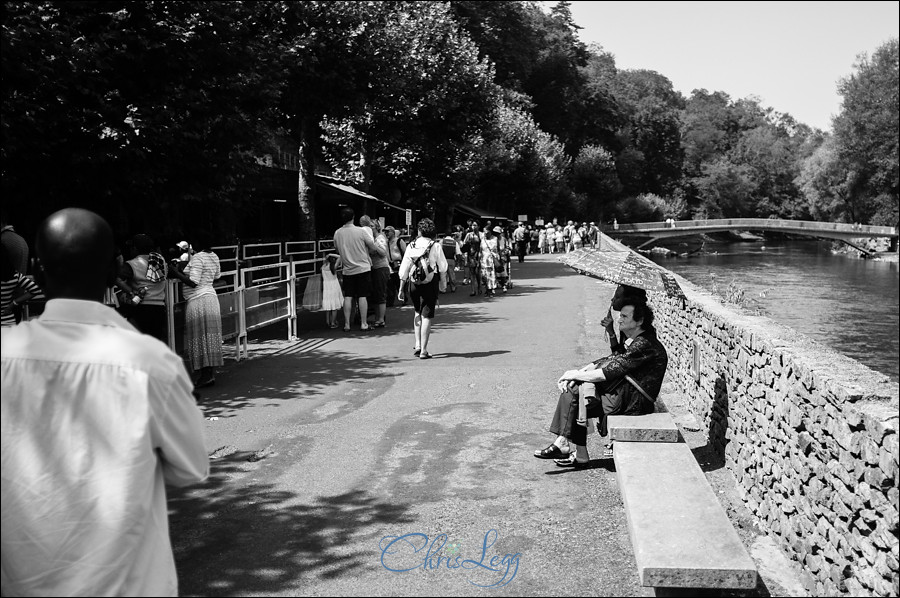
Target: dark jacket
645, 360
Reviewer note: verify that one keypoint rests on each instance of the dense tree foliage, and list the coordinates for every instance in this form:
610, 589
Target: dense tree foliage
149, 107
144, 102
866, 132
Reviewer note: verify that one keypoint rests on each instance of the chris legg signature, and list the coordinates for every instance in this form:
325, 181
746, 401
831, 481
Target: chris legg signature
400, 554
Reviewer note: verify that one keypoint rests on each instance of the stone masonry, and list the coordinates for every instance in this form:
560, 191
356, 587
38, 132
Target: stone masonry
810, 436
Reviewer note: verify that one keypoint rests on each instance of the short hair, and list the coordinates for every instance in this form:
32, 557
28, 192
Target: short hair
426, 227
347, 214
143, 244
625, 292
202, 239
642, 312
75, 250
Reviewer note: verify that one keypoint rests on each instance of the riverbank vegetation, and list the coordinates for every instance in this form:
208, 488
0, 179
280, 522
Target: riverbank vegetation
426, 104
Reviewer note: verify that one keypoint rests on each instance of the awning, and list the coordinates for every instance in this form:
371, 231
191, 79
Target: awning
478, 213
341, 187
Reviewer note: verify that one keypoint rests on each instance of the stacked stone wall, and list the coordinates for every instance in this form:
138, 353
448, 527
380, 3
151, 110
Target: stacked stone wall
810, 436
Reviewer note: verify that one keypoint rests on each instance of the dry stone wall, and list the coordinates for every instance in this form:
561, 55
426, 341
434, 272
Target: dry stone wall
810, 436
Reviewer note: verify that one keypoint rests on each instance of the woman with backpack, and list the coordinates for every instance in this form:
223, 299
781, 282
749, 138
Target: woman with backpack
424, 271
144, 277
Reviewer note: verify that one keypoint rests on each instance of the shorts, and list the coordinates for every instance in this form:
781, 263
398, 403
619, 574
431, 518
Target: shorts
357, 285
381, 278
424, 297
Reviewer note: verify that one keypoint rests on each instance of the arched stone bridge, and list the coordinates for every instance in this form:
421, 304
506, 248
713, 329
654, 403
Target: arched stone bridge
848, 233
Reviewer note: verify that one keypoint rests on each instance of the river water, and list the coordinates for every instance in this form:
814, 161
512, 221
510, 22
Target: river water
848, 304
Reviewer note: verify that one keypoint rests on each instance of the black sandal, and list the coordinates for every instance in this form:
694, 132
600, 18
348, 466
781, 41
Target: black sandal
551, 452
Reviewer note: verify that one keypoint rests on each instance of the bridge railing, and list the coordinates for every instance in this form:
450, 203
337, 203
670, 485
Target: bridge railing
754, 223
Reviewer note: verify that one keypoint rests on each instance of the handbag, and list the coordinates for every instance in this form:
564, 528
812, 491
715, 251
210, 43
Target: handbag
312, 295
640, 390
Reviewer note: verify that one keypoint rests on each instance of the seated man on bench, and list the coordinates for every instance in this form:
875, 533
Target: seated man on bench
627, 383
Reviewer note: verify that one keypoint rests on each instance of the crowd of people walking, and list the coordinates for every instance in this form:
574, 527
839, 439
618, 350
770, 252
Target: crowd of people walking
368, 271
373, 268
557, 238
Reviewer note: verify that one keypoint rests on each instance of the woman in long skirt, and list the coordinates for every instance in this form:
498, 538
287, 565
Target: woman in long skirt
203, 319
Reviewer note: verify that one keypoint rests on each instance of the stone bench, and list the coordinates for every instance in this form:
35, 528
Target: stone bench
653, 427
681, 536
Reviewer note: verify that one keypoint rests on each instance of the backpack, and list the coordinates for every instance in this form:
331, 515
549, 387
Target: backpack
422, 271
449, 247
156, 268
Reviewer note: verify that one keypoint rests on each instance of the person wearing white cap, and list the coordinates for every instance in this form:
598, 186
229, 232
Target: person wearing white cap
186, 251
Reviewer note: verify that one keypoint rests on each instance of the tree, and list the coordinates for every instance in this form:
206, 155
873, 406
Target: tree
520, 168
772, 168
652, 107
825, 184
866, 135
505, 33
537, 54
595, 181
430, 95
151, 103
724, 189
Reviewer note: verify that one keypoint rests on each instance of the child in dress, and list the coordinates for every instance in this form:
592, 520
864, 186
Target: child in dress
332, 296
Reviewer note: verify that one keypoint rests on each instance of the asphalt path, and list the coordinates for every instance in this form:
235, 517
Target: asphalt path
327, 448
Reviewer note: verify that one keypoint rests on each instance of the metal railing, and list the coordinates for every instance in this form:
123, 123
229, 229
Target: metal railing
251, 294
810, 226
231, 308
269, 296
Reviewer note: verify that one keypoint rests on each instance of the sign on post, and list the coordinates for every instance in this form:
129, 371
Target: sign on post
523, 217
408, 217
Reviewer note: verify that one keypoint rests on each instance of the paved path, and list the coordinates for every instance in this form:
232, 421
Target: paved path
327, 445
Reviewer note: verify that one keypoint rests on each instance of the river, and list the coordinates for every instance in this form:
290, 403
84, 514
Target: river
846, 303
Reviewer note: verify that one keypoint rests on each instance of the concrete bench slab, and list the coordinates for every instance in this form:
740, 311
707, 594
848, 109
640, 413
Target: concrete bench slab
653, 427
681, 535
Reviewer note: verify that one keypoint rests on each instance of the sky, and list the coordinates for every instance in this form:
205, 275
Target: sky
789, 55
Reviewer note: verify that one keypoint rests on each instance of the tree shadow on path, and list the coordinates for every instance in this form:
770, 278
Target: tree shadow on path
255, 539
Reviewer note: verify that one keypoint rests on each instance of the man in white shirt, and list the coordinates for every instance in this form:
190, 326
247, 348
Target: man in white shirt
519, 236
96, 418
354, 245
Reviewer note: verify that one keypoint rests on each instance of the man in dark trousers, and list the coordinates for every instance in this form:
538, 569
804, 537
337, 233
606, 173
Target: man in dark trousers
520, 237
627, 382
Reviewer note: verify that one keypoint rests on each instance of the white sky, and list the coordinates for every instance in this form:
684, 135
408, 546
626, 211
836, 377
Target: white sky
790, 55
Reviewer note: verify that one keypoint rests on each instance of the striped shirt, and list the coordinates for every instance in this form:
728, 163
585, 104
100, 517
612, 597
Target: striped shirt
13, 288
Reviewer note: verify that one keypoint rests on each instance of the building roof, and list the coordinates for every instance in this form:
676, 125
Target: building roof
479, 213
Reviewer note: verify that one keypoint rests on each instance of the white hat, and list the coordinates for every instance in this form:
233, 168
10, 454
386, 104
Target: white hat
497, 230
